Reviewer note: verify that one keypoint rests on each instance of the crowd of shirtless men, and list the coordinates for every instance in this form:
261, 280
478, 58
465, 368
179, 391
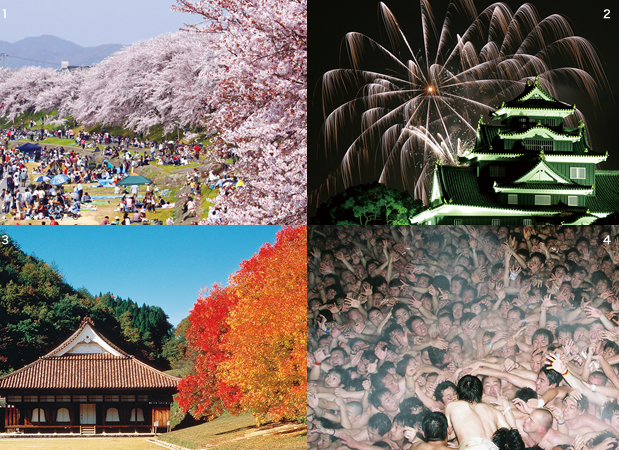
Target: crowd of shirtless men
486, 337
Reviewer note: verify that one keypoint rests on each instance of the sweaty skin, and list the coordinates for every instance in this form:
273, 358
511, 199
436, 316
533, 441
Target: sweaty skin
473, 419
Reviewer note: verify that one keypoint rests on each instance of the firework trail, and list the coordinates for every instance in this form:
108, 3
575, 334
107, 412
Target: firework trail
411, 109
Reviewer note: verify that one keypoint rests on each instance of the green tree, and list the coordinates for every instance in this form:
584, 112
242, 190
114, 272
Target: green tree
367, 204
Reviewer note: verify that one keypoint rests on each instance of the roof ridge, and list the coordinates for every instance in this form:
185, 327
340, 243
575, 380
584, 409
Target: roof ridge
85, 321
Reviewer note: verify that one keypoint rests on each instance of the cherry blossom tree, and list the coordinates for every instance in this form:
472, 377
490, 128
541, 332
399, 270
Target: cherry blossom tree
161, 81
19, 89
260, 104
61, 94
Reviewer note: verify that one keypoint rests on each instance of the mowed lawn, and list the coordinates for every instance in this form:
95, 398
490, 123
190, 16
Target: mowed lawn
237, 433
89, 443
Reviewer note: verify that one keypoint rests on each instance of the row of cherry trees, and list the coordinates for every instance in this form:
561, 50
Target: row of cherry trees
249, 338
242, 74
161, 81
260, 103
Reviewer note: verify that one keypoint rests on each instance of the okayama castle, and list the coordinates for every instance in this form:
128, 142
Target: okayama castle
527, 169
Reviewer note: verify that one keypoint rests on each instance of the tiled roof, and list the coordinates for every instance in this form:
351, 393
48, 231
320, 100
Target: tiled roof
460, 184
533, 185
87, 371
606, 192
85, 321
536, 102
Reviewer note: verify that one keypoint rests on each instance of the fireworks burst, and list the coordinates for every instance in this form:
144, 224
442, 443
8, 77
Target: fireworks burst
410, 109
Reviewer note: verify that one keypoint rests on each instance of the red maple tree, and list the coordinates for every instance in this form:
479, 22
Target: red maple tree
251, 337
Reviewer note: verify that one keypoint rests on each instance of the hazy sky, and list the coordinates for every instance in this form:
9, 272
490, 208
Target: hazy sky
91, 22
161, 266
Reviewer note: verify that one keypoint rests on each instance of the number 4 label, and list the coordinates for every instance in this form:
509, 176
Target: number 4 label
607, 239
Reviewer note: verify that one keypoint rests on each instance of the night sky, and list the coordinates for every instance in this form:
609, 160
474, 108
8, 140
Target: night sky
329, 21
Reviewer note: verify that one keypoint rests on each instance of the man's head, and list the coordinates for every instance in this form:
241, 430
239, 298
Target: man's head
508, 439
572, 408
546, 379
401, 313
417, 325
470, 389
515, 317
384, 401
539, 421
336, 378
536, 361
445, 392
492, 385
445, 321
400, 421
384, 379
434, 427
542, 338
378, 425
610, 414
354, 410
339, 357
598, 378
564, 333
456, 345
438, 357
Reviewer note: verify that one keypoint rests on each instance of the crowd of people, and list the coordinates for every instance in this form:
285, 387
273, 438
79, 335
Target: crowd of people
487, 337
135, 150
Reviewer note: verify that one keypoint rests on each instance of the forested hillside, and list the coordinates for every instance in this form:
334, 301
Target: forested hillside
38, 311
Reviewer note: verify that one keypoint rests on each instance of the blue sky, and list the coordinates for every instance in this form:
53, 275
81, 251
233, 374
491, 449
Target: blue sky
156, 265
91, 22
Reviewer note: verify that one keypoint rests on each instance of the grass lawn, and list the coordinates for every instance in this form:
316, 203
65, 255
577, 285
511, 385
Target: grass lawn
88, 443
230, 433
58, 141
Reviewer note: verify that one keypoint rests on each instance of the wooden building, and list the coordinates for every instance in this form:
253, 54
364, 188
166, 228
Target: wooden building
526, 167
87, 385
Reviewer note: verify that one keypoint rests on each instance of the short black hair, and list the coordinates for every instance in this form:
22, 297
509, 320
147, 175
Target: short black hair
609, 409
582, 404
540, 256
381, 423
326, 423
470, 389
457, 339
544, 332
437, 356
376, 395
441, 282
598, 439
404, 419
611, 345
344, 376
401, 366
508, 439
520, 312
412, 403
399, 306
554, 377
467, 316
441, 388
434, 426
525, 393
370, 355
565, 328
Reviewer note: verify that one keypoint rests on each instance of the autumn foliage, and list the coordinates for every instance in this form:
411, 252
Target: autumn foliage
251, 337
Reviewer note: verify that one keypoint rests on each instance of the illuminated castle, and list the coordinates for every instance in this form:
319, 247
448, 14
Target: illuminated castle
527, 169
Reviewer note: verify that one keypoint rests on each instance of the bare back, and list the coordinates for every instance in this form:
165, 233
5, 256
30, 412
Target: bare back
473, 419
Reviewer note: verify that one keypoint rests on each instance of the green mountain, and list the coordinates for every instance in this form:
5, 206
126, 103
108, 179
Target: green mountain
38, 311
